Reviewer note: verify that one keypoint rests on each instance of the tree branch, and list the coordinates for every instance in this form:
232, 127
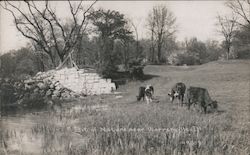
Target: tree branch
43, 15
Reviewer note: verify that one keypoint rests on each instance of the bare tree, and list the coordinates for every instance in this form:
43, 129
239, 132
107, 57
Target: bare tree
151, 25
242, 9
41, 24
137, 37
162, 25
227, 29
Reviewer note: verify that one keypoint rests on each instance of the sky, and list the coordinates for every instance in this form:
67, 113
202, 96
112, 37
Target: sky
194, 19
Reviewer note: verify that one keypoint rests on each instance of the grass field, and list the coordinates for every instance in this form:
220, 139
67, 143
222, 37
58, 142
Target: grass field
120, 125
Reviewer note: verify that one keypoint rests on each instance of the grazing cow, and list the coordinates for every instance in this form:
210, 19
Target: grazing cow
141, 93
200, 96
177, 91
149, 92
146, 92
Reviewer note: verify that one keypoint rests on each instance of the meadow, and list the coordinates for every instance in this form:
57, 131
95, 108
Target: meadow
118, 124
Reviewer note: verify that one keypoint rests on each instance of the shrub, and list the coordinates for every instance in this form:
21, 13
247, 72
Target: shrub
136, 69
107, 70
136, 72
183, 58
18, 62
13, 95
7, 92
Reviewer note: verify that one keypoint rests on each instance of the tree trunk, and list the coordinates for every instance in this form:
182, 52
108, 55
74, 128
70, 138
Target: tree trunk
52, 60
159, 44
153, 54
42, 67
152, 48
61, 58
137, 49
159, 52
228, 51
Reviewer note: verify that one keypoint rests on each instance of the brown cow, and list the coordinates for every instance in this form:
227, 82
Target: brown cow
199, 96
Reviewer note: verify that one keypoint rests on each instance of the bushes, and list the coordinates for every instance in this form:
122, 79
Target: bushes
107, 70
7, 92
136, 69
195, 52
18, 62
13, 94
136, 72
183, 58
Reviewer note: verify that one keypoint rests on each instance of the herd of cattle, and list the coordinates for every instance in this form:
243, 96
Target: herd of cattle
191, 96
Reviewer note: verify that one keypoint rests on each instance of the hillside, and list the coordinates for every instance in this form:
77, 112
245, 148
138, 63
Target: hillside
118, 124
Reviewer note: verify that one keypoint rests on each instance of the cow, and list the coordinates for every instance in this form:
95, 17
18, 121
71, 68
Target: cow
146, 92
199, 96
141, 94
177, 91
149, 92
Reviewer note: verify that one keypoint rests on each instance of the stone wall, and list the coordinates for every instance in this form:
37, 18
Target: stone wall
83, 82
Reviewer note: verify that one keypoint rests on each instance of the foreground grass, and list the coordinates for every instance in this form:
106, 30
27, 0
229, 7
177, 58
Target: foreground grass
124, 126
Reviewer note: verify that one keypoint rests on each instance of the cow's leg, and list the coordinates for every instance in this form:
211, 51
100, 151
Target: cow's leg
189, 104
172, 100
182, 97
204, 107
147, 99
178, 102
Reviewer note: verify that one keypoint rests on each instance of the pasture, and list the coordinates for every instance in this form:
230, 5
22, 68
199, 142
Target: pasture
118, 124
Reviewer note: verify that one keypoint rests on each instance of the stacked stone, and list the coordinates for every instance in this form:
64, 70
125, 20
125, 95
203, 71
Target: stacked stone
83, 82
55, 84
52, 87
43, 84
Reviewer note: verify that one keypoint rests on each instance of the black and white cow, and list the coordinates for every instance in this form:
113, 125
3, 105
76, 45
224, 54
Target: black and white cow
141, 94
149, 92
199, 96
177, 91
146, 92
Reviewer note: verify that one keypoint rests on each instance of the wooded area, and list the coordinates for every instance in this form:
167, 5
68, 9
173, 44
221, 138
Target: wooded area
108, 41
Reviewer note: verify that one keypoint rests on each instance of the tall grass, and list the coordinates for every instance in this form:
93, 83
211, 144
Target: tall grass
135, 128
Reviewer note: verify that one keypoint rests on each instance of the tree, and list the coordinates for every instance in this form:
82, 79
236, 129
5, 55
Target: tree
138, 49
161, 23
109, 26
213, 50
241, 42
197, 50
41, 25
228, 27
8, 65
170, 45
146, 49
151, 25
18, 62
242, 9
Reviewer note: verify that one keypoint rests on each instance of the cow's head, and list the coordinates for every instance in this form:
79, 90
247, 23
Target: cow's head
171, 95
138, 98
176, 94
150, 87
178, 91
214, 104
